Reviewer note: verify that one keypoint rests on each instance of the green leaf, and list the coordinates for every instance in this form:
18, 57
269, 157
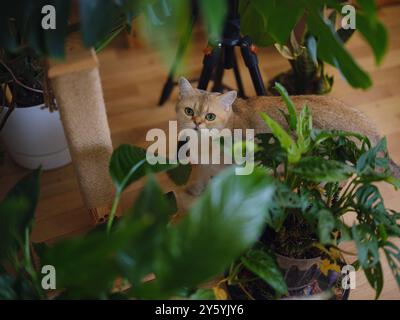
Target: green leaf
326, 224
270, 152
253, 23
203, 294
180, 175
272, 11
282, 200
368, 6
318, 169
154, 208
374, 276
373, 159
262, 263
367, 245
331, 50
17, 211
129, 163
97, 19
393, 181
213, 13
303, 130
16, 288
392, 254
231, 211
369, 205
284, 138
87, 266
289, 104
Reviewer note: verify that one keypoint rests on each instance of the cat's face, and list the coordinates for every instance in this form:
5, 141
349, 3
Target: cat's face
198, 109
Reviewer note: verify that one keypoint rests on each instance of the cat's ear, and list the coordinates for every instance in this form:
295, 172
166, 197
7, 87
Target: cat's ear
185, 88
227, 99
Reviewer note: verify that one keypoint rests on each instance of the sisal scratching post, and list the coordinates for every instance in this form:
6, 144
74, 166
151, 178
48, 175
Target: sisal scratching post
77, 88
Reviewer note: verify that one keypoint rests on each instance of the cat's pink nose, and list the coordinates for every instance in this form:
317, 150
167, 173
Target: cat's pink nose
197, 120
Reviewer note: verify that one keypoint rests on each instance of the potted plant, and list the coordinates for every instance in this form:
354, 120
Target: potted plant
316, 40
307, 73
320, 176
30, 125
111, 263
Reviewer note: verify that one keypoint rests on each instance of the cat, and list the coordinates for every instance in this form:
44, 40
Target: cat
198, 109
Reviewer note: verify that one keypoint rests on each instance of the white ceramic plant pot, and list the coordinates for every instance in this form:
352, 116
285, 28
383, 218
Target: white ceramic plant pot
34, 136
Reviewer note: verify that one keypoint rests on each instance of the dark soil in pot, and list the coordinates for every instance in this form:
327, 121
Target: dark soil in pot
25, 98
294, 86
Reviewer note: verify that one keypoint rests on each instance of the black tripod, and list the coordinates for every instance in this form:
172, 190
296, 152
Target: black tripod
220, 55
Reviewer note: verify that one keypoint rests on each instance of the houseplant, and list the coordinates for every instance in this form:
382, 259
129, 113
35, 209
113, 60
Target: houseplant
307, 74
272, 22
163, 22
140, 243
30, 125
320, 176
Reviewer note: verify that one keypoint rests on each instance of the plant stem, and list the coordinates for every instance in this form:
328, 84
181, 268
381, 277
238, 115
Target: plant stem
29, 266
113, 211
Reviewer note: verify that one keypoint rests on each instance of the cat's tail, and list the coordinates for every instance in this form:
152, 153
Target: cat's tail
395, 168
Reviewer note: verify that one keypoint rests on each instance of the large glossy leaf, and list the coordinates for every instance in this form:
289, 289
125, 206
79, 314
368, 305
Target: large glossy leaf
273, 10
213, 13
97, 19
318, 169
262, 263
227, 219
17, 211
331, 50
128, 164
372, 30
253, 23
86, 266
153, 207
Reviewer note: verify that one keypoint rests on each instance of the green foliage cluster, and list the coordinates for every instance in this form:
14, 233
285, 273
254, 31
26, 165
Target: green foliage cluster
143, 242
320, 176
164, 22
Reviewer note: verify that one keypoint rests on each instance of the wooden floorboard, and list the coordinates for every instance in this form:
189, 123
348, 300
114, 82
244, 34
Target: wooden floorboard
132, 80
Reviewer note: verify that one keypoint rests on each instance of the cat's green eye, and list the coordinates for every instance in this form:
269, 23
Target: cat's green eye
189, 111
210, 116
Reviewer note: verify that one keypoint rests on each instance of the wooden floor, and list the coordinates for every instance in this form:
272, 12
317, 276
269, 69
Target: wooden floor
132, 80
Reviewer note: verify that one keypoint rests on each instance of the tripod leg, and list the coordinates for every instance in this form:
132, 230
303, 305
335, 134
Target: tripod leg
251, 62
219, 73
238, 77
167, 89
209, 62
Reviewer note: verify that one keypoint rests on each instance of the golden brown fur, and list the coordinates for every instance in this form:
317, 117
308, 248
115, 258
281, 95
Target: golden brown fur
327, 113
232, 113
